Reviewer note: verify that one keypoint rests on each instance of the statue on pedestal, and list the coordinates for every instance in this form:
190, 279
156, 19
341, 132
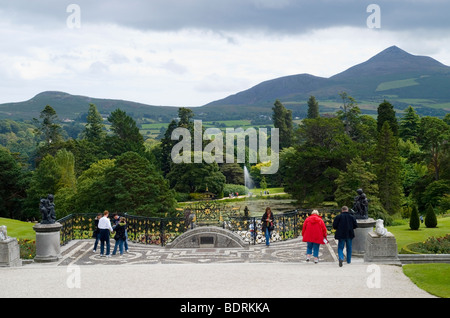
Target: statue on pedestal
47, 208
361, 205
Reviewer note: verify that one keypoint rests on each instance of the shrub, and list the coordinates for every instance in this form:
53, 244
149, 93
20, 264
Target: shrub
233, 188
433, 245
414, 222
430, 217
181, 196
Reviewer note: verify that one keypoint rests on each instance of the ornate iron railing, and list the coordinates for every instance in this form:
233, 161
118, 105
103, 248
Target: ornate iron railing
146, 230
160, 231
286, 225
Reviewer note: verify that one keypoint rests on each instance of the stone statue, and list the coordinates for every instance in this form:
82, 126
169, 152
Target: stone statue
47, 208
3, 233
361, 205
380, 229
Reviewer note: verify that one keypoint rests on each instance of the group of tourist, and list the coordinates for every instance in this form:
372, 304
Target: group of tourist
314, 233
103, 230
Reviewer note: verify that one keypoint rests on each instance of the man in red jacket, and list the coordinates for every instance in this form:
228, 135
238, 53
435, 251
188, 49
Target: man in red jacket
314, 233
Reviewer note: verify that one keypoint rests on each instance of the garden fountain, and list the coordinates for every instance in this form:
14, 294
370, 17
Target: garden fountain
248, 181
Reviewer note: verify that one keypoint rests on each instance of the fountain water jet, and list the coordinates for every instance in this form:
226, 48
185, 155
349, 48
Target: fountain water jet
248, 181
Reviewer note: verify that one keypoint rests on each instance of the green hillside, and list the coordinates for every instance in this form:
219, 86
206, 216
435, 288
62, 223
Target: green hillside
393, 74
72, 106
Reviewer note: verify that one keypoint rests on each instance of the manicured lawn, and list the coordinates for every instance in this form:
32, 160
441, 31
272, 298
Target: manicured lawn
404, 235
433, 278
256, 191
19, 229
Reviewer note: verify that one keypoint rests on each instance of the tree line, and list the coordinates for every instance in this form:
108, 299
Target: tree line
400, 162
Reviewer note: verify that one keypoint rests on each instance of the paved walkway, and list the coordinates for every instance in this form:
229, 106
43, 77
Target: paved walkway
291, 251
279, 271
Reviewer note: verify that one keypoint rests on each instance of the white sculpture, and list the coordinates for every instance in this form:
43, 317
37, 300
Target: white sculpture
379, 228
3, 233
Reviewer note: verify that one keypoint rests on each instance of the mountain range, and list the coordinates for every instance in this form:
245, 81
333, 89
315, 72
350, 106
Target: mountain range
393, 74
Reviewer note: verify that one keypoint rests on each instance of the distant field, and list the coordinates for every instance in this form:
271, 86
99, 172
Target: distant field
154, 126
227, 123
152, 130
363, 105
396, 84
443, 106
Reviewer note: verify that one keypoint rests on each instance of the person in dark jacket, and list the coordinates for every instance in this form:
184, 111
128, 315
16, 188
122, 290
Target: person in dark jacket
267, 225
116, 220
119, 236
96, 233
344, 224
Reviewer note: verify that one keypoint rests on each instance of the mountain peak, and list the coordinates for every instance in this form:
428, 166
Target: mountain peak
393, 60
393, 51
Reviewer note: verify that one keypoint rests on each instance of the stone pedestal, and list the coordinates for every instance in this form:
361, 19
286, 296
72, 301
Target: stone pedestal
381, 249
10, 253
359, 242
48, 248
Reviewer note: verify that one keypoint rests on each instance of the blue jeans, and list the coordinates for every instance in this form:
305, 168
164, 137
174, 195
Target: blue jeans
348, 245
119, 243
310, 247
267, 237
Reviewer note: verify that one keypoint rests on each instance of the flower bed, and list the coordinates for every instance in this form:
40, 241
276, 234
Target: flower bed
433, 245
27, 248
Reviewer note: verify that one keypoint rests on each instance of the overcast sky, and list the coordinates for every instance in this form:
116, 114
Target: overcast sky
191, 52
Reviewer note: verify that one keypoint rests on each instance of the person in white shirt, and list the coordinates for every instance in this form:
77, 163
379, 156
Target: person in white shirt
105, 228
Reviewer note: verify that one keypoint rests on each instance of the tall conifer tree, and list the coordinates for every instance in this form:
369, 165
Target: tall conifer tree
386, 112
313, 107
409, 125
388, 170
282, 119
95, 129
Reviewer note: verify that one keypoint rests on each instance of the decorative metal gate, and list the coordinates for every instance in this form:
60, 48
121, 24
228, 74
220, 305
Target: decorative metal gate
160, 231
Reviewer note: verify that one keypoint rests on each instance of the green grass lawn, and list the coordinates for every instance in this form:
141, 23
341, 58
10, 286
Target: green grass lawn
19, 229
433, 278
256, 191
404, 235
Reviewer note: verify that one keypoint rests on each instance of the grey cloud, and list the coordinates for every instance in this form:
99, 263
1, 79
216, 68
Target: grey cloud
117, 58
174, 67
273, 16
98, 68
